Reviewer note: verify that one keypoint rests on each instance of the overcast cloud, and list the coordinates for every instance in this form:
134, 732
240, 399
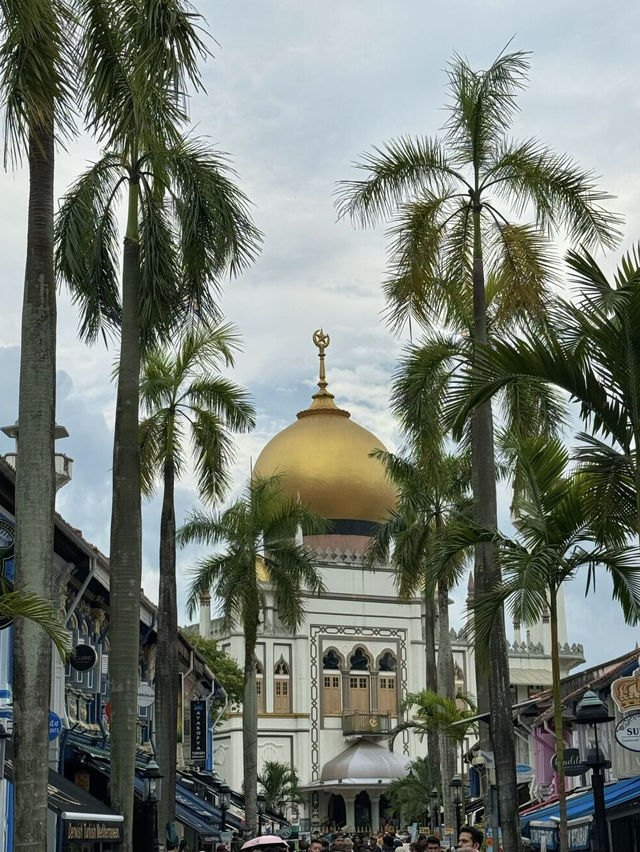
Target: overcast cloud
296, 92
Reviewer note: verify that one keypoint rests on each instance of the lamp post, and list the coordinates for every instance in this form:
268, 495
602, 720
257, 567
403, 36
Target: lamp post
224, 794
261, 805
456, 788
592, 711
435, 809
151, 787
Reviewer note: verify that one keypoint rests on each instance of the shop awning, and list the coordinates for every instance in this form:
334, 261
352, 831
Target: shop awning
581, 804
191, 810
85, 817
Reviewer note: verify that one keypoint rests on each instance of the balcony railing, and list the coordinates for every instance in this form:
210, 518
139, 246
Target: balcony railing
356, 723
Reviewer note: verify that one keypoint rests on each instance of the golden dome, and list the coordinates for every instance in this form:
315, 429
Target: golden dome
324, 458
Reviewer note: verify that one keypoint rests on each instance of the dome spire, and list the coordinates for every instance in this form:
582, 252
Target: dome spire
322, 399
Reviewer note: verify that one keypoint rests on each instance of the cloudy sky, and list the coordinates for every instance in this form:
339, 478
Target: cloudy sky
296, 91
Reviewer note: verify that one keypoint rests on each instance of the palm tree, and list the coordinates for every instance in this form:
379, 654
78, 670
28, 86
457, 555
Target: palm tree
433, 489
446, 196
186, 225
280, 786
36, 79
410, 796
452, 718
591, 351
553, 541
187, 402
259, 530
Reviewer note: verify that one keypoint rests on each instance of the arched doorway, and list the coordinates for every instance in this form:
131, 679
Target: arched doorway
387, 815
336, 811
362, 812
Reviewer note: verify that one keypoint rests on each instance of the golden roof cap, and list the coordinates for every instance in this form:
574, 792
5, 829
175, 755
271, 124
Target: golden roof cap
324, 458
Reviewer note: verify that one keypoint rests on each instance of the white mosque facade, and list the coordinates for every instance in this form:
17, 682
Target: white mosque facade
329, 695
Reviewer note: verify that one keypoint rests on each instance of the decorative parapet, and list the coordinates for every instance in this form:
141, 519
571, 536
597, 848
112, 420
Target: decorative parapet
536, 649
337, 556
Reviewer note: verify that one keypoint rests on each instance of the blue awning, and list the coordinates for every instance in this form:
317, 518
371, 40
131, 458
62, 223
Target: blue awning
581, 804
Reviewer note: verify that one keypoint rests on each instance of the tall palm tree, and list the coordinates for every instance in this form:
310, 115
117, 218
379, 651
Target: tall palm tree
186, 225
280, 786
187, 403
259, 530
36, 78
553, 541
591, 351
434, 491
453, 199
452, 718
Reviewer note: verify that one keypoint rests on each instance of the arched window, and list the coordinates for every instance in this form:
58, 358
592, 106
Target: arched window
331, 683
388, 684
259, 686
387, 662
359, 681
359, 661
331, 660
281, 687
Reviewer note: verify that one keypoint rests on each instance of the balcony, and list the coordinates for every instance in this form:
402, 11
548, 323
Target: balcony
356, 723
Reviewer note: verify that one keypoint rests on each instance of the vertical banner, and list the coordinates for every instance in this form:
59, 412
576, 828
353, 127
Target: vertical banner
198, 730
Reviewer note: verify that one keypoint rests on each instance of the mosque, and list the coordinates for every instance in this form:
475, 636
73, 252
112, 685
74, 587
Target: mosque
329, 695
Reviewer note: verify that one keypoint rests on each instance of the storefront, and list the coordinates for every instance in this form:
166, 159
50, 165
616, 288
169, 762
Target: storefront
82, 823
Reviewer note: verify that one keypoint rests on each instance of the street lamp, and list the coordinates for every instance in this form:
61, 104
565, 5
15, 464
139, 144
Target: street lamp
435, 808
262, 805
592, 711
456, 788
224, 800
151, 777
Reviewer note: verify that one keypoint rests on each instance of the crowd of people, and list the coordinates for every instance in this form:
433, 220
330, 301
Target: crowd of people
469, 838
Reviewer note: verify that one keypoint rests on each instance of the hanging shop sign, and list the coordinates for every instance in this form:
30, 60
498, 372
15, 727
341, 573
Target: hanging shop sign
625, 691
83, 658
7, 561
628, 732
198, 730
55, 725
572, 763
94, 831
146, 695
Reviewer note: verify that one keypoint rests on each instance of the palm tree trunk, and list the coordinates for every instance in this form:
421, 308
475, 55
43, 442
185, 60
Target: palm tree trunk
126, 544
446, 687
557, 719
166, 677
487, 577
35, 499
433, 745
250, 730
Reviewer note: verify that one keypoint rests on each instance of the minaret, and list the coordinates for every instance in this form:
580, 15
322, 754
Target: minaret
64, 464
205, 615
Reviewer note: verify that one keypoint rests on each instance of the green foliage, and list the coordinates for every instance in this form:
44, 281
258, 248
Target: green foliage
591, 351
280, 786
187, 401
227, 671
433, 491
24, 604
410, 797
433, 712
259, 528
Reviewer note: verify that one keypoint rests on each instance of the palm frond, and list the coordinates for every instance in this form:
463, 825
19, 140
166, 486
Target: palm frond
561, 193
394, 171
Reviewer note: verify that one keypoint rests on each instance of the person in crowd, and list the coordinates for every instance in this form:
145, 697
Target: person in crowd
387, 843
470, 837
374, 846
266, 843
347, 844
316, 846
432, 844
